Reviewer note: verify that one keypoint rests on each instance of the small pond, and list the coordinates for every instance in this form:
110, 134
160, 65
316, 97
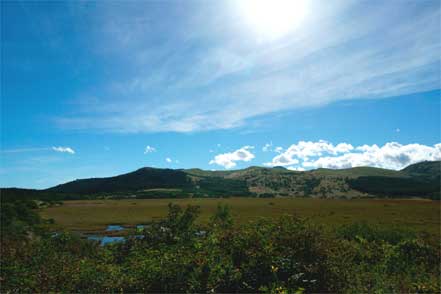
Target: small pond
104, 240
114, 228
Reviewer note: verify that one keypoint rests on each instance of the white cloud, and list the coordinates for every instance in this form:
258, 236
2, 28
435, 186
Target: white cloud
168, 159
149, 149
321, 154
228, 160
236, 79
25, 150
267, 147
303, 150
278, 149
63, 149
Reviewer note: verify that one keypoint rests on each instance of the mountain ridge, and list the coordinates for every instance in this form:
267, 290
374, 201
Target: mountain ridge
416, 180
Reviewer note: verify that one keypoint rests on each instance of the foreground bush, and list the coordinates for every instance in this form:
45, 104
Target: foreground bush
287, 255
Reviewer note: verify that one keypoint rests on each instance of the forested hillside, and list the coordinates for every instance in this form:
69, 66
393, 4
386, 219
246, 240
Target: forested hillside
417, 180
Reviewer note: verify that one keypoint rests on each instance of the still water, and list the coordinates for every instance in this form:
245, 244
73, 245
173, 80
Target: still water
104, 240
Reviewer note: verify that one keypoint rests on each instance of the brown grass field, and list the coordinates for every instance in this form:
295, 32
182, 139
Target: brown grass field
95, 215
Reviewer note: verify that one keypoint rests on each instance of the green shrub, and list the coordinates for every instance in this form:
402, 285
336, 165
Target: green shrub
286, 255
374, 233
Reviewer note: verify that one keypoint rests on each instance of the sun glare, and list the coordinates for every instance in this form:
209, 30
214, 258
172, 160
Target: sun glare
272, 19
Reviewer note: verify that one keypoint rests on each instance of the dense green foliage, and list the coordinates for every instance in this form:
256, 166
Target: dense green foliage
18, 218
424, 169
222, 187
398, 187
422, 179
11, 194
285, 255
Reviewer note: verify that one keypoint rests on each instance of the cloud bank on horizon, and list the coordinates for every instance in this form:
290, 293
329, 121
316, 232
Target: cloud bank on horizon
323, 154
207, 71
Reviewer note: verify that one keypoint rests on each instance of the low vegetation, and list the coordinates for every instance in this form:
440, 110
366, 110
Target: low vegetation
95, 215
272, 243
178, 254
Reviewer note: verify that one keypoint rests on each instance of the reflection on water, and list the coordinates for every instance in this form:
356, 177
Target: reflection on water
114, 228
104, 240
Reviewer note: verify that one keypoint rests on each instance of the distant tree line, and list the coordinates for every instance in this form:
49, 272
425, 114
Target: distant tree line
398, 187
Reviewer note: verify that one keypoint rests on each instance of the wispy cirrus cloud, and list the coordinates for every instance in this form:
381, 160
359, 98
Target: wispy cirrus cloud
63, 149
24, 150
27, 150
220, 79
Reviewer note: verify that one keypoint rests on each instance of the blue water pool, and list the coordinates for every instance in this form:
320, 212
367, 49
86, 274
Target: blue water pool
104, 240
114, 228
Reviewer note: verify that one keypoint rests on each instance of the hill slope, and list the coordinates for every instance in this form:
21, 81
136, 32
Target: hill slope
417, 180
153, 183
143, 178
421, 179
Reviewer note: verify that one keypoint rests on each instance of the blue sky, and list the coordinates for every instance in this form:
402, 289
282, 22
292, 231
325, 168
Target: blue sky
89, 87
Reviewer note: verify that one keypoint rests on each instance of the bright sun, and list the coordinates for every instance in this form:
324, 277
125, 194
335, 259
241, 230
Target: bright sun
272, 19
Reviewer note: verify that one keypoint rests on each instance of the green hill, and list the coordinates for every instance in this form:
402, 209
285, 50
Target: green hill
143, 178
417, 180
357, 172
420, 179
423, 169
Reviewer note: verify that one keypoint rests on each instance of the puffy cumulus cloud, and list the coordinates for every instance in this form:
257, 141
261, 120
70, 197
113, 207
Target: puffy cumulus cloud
282, 160
149, 149
63, 149
391, 155
228, 160
168, 159
303, 150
